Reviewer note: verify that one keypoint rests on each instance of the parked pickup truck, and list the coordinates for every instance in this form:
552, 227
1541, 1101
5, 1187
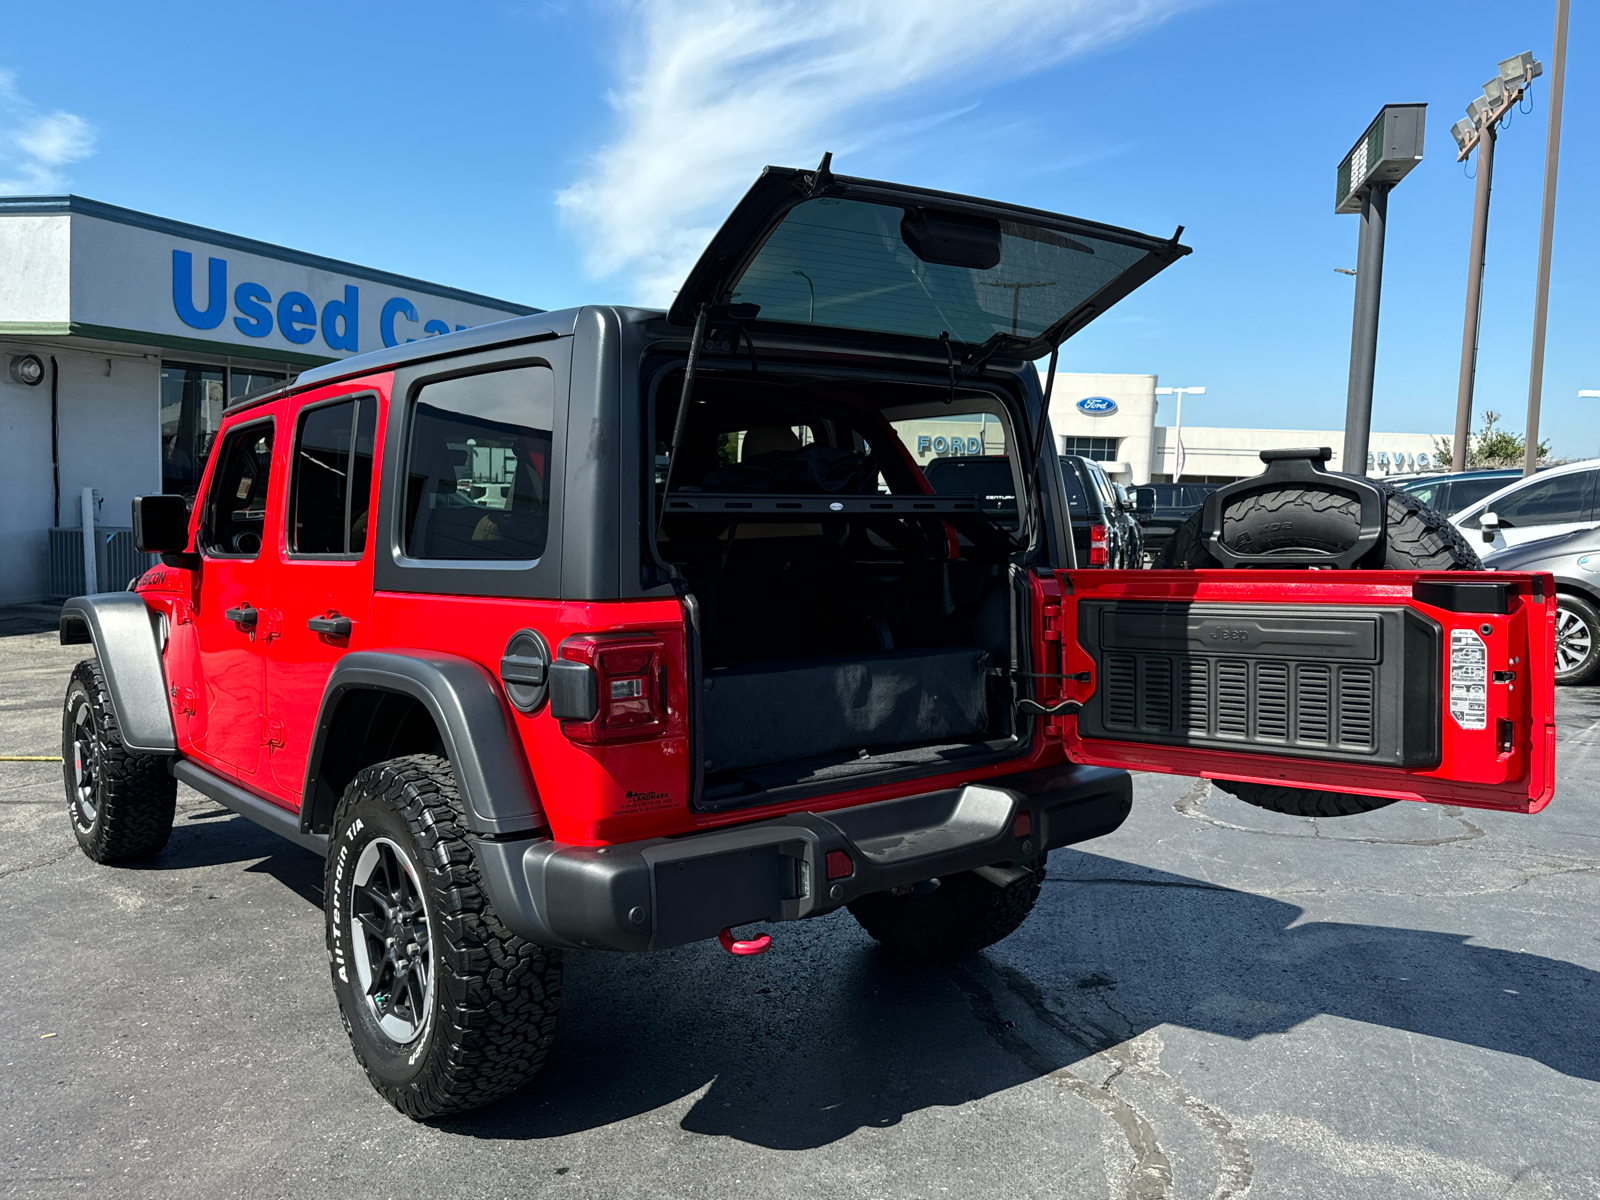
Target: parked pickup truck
621, 629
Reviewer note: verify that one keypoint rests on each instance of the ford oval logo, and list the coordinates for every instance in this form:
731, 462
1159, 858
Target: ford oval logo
1097, 405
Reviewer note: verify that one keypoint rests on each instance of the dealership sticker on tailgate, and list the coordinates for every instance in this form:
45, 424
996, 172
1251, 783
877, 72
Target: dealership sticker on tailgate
1469, 679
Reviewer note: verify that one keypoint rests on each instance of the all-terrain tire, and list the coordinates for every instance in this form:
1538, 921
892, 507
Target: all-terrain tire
961, 916
1418, 538
120, 803
1305, 518
485, 1011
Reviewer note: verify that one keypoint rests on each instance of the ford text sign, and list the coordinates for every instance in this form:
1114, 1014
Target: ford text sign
1097, 406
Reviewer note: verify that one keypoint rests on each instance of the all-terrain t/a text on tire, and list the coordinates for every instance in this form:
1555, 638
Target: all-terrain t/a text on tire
446, 1008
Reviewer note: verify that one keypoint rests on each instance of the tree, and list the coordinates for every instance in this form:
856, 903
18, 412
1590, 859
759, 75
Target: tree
1491, 447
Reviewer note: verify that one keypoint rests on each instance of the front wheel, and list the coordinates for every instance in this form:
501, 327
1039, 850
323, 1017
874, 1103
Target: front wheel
1577, 640
120, 803
446, 1008
954, 916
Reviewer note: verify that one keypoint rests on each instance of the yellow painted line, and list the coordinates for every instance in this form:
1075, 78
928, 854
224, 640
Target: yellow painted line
30, 758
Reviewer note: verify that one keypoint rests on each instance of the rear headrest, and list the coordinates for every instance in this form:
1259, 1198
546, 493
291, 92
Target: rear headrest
765, 439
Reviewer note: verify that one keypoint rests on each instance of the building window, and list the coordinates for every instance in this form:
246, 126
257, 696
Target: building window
247, 381
1100, 449
191, 411
192, 399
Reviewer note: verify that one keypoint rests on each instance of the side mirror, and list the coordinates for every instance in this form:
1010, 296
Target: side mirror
1489, 523
161, 526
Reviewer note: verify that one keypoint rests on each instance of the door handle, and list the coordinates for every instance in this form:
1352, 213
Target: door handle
333, 626
243, 616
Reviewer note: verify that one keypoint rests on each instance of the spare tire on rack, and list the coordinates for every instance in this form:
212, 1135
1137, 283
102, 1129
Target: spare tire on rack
1301, 515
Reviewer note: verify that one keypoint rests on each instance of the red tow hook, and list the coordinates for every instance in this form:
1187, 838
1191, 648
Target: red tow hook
756, 945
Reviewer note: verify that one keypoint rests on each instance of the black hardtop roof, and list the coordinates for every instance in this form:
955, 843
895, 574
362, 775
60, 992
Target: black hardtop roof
480, 337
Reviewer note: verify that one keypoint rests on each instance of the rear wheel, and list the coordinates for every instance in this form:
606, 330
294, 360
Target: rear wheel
1577, 640
950, 917
446, 1008
1308, 518
120, 803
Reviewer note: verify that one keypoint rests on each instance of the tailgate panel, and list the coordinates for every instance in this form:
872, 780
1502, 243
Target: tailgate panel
1348, 682
1421, 685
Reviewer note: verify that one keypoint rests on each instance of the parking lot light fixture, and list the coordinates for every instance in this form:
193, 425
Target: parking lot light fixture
1462, 130
1177, 424
1521, 68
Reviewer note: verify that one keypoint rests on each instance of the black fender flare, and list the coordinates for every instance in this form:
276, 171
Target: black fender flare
472, 717
126, 635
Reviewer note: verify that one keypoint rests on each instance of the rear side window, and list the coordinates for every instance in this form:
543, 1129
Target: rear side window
236, 506
478, 458
1077, 500
331, 484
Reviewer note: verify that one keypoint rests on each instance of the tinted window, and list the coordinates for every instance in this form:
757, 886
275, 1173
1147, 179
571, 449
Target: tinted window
332, 486
236, 506
1102, 485
849, 264
478, 464
1464, 493
1549, 501
1431, 493
989, 479
1077, 498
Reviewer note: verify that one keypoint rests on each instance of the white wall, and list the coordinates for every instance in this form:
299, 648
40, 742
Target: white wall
1210, 450
122, 277
35, 251
25, 493
1131, 423
109, 438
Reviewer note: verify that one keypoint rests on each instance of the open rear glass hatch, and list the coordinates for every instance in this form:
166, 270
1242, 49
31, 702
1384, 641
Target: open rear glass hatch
811, 248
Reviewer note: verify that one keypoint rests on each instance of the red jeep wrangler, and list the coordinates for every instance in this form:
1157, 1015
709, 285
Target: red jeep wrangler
621, 629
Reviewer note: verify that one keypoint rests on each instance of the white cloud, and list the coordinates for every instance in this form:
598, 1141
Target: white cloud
35, 146
712, 90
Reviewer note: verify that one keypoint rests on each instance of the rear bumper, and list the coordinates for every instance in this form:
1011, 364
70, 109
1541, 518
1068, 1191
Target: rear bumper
668, 891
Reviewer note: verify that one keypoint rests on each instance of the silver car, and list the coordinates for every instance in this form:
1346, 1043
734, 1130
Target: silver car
1574, 559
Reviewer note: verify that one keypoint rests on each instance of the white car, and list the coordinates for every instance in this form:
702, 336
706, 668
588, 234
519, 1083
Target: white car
1552, 502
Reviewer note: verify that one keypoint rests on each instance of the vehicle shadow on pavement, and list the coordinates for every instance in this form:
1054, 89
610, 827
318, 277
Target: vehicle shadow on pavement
826, 1034
209, 839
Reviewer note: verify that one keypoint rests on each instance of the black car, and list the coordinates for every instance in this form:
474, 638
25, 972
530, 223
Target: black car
1103, 525
1574, 559
1162, 507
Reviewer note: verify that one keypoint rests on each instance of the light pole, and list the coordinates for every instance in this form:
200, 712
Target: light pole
1381, 158
1477, 129
1587, 394
1177, 427
1547, 224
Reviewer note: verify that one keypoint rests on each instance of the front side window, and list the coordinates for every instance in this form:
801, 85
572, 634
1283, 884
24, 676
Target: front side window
478, 467
331, 487
1555, 500
236, 506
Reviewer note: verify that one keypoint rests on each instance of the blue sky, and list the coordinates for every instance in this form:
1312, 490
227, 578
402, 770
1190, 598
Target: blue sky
559, 153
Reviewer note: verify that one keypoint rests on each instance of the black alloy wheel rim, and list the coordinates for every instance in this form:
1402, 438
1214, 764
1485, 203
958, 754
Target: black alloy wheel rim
85, 768
1574, 640
391, 940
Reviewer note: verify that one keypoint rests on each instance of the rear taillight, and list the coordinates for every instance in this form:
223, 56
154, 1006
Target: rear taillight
617, 688
1097, 545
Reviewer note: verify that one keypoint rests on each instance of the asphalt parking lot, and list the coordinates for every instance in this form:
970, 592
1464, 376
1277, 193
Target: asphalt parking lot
1212, 1002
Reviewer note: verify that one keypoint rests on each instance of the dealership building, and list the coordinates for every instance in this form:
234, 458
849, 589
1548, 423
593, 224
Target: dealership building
122, 337
1112, 418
